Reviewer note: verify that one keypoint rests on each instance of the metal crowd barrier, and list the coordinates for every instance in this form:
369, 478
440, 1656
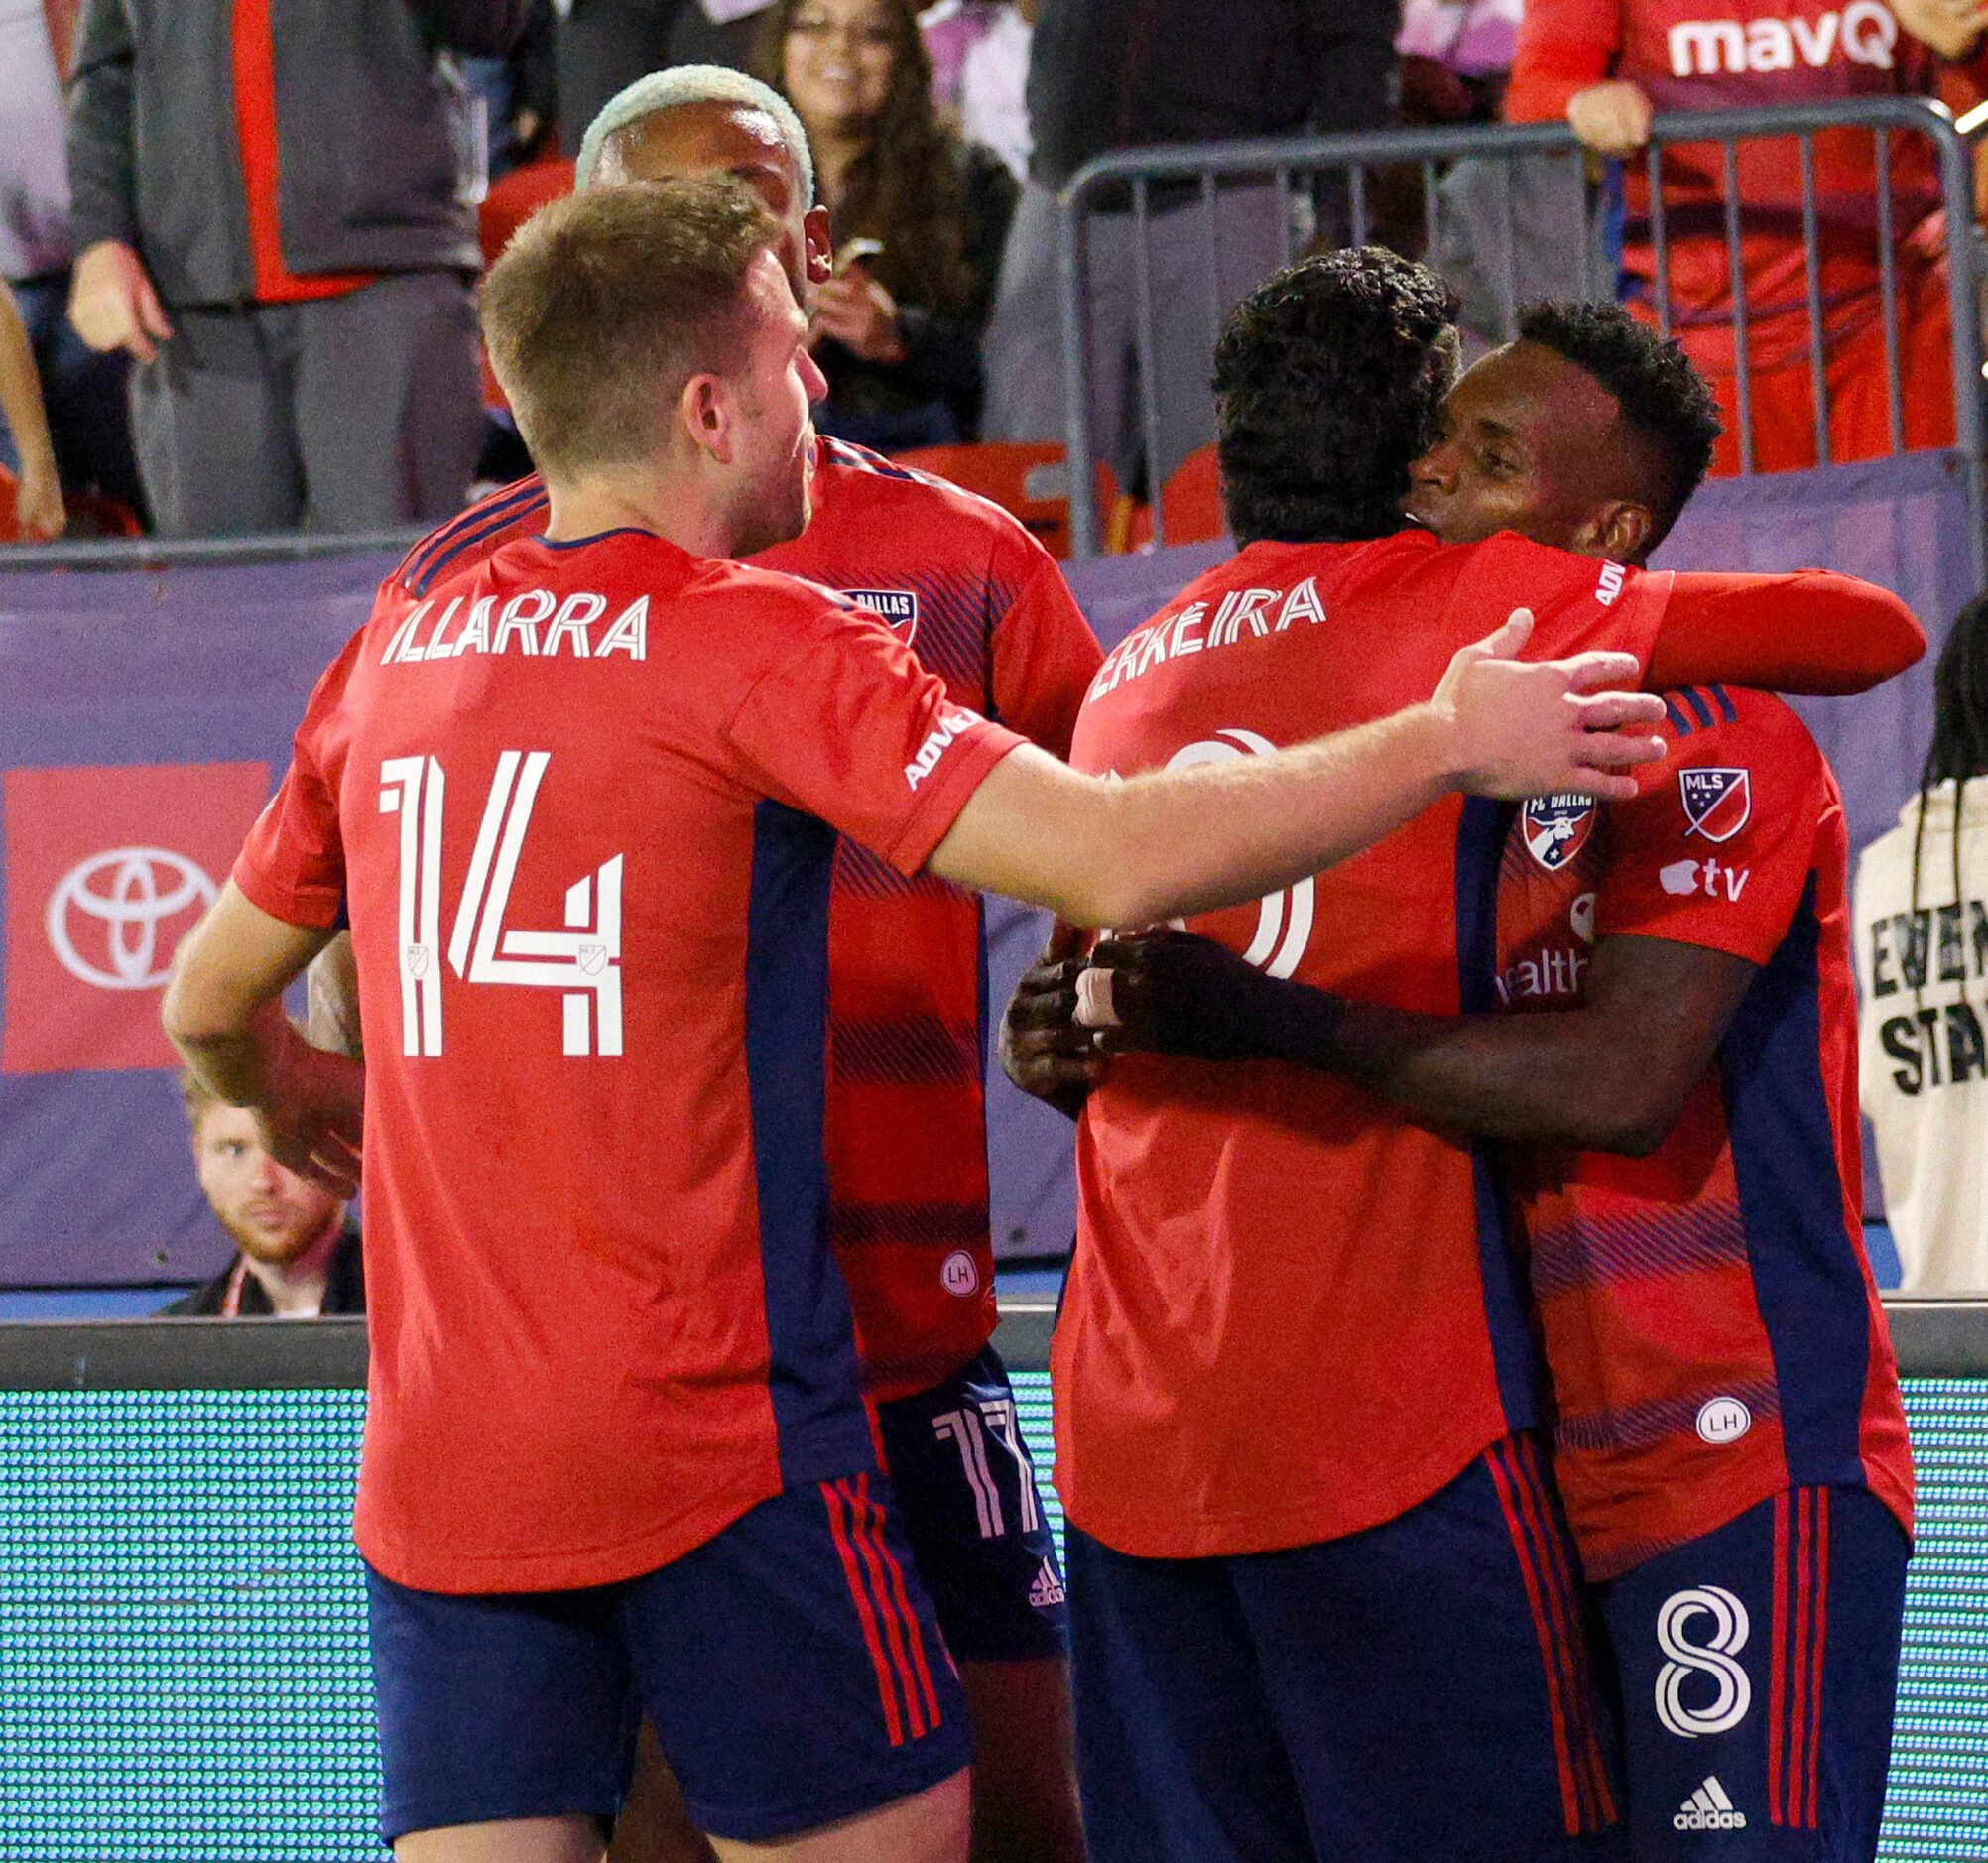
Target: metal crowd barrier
1297, 168
202, 553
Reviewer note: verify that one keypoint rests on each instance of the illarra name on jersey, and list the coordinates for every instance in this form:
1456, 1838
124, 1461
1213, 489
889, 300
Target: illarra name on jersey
575, 623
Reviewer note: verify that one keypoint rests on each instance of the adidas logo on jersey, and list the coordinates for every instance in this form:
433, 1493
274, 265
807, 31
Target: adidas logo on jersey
1708, 1809
1048, 1588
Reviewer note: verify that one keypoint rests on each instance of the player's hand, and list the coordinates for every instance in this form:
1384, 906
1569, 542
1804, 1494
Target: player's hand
312, 1122
1542, 727
1041, 1048
1171, 993
1951, 28
38, 501
1612, 119
861, 315
112, 302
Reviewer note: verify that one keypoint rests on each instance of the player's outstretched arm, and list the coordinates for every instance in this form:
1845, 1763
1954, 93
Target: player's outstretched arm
1157, 846
1607, 1076
223, 1012
1812, 632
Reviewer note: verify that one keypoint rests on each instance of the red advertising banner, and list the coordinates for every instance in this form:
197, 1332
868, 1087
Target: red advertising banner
107, 868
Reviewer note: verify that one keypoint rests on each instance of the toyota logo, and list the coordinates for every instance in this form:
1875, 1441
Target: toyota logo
118, 900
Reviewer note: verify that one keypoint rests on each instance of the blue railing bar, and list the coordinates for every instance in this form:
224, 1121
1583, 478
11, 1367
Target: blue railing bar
1963, 262
1888, 294
1430, 221
1145, 340
1078, 449
1736, 277
1508, 260
1818, 372
1660, 244
193, 552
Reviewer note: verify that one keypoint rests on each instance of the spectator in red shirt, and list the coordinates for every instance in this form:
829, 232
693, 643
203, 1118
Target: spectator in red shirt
1609, 65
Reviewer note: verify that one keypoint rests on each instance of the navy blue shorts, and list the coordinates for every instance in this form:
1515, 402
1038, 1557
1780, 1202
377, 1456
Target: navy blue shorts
792, 1667
1759, 1666
974, 1516
1419, 1693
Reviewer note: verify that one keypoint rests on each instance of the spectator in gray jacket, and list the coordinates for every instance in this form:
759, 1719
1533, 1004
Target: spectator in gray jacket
284, 239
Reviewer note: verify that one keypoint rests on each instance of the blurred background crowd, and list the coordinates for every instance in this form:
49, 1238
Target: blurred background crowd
240, 237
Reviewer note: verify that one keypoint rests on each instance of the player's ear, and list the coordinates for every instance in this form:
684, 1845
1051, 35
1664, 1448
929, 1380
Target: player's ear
820, 246
708, 416
1620, 530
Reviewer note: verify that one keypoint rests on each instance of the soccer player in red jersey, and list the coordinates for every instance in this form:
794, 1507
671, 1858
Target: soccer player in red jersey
579, 804
1608, 65
1296, 1380
980, 603
1680, 1067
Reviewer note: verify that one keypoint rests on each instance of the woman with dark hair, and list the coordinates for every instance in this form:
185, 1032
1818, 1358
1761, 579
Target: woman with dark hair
919, 221
1921, 928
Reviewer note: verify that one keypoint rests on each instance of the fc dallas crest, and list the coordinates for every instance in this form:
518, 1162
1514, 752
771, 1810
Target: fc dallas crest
1556, 827
1717, 803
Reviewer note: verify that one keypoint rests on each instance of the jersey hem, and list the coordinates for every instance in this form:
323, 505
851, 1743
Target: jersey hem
1311, 1524
1599, 1571
506, 1573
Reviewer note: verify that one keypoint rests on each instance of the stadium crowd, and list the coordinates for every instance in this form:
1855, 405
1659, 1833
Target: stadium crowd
192, 224
1517, 1494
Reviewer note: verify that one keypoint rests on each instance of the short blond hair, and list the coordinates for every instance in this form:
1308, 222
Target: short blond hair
606, 304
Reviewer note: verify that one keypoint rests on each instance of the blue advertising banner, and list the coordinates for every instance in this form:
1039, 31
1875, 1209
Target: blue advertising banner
145, 713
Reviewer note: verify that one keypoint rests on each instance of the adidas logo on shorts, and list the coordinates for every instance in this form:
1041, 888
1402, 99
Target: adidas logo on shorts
1048, 1588
1708, 1809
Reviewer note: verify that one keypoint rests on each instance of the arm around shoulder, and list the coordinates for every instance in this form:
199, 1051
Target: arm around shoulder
1811, 631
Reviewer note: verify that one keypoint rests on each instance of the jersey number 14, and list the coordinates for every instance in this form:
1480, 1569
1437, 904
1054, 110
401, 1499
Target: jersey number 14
583, 960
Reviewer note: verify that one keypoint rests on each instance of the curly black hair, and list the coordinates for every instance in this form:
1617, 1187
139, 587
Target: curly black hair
1665, 400
1959, 749
1329, 379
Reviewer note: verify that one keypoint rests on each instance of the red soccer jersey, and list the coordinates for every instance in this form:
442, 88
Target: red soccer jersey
1290, 1313
573, 800
983, 605
1718, 54
1710, 1323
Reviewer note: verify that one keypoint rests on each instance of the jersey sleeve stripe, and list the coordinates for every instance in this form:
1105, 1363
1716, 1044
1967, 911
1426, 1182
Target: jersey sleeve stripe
440, 537
1776, 1669
1574, 1808
914, 1636
1727, 709
1557, 1544
1700, 709
1812, 1808
497, 518
835, 1500
1677, 722
863, 1523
